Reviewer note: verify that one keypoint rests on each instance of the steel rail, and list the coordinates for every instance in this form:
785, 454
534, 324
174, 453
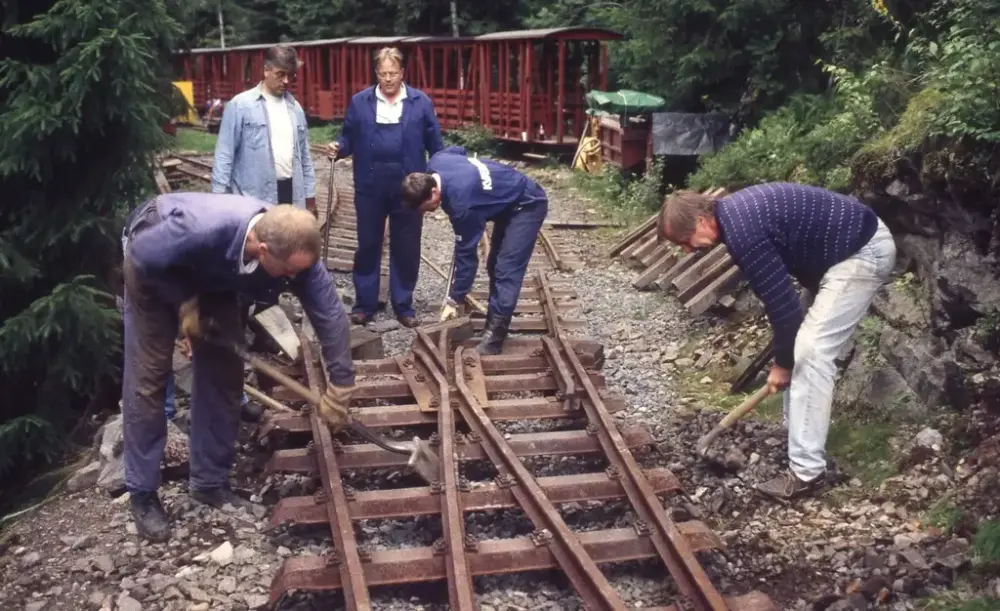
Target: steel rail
551, 251
670, 544
592, 586
345, 554
461, 595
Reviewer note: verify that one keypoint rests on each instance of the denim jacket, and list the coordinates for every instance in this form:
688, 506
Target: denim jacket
244, 162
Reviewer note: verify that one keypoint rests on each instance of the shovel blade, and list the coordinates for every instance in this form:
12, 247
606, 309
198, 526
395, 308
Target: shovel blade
424, 461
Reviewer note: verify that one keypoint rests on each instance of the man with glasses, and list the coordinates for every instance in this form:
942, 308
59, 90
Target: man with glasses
389, 129
263, 145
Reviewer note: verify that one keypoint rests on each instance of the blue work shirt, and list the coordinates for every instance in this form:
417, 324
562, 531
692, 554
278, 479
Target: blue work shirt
421, 135
473, 192
244, 161
194, 244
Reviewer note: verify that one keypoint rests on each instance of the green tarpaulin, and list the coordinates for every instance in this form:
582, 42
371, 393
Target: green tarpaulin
624, 102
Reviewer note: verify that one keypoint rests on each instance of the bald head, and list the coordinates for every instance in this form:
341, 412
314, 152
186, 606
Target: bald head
288, 240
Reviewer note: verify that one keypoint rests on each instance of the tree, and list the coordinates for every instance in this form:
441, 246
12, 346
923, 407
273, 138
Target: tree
83, 97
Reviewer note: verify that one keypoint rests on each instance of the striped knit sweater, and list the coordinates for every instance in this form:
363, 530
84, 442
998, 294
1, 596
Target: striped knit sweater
775, 231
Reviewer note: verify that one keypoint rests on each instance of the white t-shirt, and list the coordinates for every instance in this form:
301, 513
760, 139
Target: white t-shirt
387, 112
282, 139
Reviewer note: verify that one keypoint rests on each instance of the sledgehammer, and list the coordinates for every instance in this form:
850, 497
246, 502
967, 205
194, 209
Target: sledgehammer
423, 460
737, 414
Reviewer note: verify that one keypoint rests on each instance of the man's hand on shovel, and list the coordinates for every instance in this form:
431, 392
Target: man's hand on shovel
333, 407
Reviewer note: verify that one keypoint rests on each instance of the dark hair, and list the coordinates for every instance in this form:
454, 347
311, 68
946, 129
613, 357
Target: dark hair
417, 188
282, 57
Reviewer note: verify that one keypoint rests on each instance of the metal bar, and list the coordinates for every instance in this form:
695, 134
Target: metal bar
493, 557
460, 592
573, 559
393, 416
485, 496
370, 456
345, 546
550, 251
671, 547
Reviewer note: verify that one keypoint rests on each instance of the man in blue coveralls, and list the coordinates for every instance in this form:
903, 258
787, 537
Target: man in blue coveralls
188, 256
473, 191
389, 129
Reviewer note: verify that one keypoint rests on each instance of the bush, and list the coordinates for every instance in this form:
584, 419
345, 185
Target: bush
812, 139
476, 139
83, 95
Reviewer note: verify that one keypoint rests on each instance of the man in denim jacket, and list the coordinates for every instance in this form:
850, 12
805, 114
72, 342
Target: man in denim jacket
263, 146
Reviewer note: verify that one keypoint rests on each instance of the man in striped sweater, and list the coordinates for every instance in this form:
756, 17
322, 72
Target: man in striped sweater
839, 251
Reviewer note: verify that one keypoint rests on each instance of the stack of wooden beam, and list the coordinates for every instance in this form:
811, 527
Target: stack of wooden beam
701, 279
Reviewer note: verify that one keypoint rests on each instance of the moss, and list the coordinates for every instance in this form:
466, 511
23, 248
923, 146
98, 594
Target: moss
875, 160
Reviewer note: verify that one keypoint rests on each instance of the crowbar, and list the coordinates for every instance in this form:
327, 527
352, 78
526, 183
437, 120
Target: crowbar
422, 459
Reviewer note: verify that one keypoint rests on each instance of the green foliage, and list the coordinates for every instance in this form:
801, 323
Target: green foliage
965, 67
986, 542
625, 198
83, 95
476, 139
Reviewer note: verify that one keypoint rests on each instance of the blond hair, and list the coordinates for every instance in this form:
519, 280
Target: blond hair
680, 213
388, 54
287, 230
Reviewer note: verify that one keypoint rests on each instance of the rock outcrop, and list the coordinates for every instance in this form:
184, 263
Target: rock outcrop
934, 335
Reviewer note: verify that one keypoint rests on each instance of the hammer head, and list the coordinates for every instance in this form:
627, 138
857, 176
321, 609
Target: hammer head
424, 461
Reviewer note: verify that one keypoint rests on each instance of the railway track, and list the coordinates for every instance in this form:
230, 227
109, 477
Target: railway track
444, 390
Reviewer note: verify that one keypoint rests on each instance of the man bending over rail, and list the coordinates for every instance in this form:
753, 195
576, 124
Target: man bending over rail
188, 256
473, 191
838, 250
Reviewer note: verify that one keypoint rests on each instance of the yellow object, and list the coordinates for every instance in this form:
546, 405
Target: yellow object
588, 157
187, 90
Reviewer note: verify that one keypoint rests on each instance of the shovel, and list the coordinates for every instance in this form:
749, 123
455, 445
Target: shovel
737, 414
423, 460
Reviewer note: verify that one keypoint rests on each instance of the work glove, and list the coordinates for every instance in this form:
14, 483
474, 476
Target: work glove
333, 407
451, 309
190, 319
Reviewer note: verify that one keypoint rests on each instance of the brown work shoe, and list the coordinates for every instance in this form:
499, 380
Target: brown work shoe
359, 318
788, 486
408, 321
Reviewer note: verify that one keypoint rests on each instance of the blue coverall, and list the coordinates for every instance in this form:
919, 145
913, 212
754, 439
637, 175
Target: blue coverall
384, 154
474, 191
180, 245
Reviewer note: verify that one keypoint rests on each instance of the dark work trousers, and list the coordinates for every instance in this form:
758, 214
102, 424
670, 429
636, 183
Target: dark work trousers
150, 331
372, 208
515, 232
284, 190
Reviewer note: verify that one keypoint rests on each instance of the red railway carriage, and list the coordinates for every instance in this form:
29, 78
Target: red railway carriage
526, 85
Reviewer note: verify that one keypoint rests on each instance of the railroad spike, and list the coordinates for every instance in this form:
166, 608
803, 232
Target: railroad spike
541, 537
642, 528
439, 547
504, 480
434, 439
613, 472
321, 497
365, 554
349, 493
470, 544
591, 428
464, 485
332, 558
437, 487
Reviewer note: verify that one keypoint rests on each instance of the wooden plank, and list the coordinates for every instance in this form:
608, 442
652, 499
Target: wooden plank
706, 278
704, 300
654, 271
685, 280
663, 282
632, 236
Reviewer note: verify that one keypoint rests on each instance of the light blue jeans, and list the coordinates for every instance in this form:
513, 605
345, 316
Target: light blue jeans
845, 293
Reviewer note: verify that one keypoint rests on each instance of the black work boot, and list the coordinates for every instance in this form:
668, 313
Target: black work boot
494, 334
150, 518
217, 497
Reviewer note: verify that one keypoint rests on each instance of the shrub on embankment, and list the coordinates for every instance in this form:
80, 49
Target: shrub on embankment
83, 96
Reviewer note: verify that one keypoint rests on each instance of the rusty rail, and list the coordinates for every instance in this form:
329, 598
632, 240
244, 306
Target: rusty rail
443, 383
